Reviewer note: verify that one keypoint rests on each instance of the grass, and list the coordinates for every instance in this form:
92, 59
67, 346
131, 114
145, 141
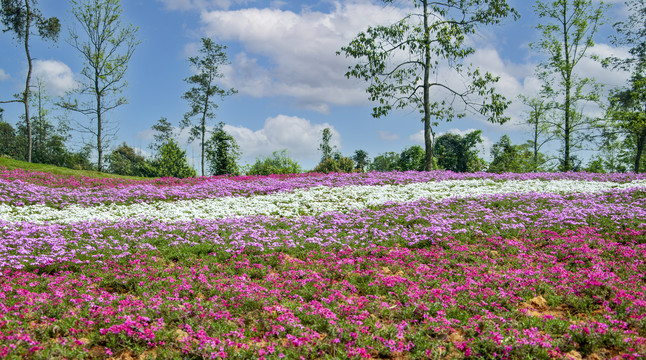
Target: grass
12, 164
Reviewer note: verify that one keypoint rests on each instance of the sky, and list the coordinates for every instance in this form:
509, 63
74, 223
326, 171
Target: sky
290, 82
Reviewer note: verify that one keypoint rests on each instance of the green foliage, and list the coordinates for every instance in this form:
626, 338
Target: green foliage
164, 132
506, 157
222, 153
412, 158
124, 161
204, 90
431, 38
360, 157
7, 140
627, 114
388, 161
106, 48
632, 34
171, 162
541, 131
325, 147
278, 163
19, 17
458, 153
337, 163
567, 28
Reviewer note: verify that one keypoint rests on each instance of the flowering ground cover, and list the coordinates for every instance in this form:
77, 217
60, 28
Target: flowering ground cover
388, 266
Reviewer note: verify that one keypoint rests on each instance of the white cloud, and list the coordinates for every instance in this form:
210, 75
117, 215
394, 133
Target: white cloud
3, 75
294, 54
388, 136
201, 4
299, 136
57, 76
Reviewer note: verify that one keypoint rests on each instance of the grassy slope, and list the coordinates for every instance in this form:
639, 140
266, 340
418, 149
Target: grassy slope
16, 164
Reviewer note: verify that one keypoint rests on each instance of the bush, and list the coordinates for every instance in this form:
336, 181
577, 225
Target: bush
171, 162
337, 164
277, 163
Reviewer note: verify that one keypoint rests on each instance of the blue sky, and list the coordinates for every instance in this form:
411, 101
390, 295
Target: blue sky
290, 82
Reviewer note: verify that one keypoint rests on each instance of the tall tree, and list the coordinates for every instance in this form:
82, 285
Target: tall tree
164, 132
222, 152
631, 34
429, 40
541, 134
567, 29
360, 157
324, 146
459, 153
106, 47
170, 161
201, 96
627, 112
412, 158
22, 17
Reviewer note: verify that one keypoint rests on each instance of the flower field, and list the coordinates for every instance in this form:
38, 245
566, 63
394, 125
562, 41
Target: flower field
414, 265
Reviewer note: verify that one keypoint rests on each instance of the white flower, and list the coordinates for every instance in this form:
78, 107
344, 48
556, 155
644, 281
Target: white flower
311, 201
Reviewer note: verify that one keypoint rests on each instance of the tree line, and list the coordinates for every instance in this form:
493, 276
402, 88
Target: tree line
434, 39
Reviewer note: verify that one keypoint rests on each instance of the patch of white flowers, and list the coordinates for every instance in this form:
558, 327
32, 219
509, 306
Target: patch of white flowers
301, 202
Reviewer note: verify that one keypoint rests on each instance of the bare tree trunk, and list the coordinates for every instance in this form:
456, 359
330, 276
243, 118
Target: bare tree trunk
429, 136
25, 96
99, 142
568, 86
206, 108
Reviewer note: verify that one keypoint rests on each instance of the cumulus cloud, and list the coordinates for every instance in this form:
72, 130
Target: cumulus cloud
294, 54
298, 135
201, 4
3, 75
388, 136
57, 76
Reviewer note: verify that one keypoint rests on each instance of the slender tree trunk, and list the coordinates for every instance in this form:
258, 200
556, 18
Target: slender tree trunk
99, 125
206, 107
568, 88
25, 95
536, 142
429, 136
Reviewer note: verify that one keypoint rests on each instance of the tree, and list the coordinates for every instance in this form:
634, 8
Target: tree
171, 162
632, 34
202, 95
20, 17
567, 29
388, 161
627, 112
125, 161
278, 163
325, 147
412, 158
164, 132
106, 50
360, 157
437, 40
222, 153
336, 163
541, 134
458, 153
7, 140
506, 157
